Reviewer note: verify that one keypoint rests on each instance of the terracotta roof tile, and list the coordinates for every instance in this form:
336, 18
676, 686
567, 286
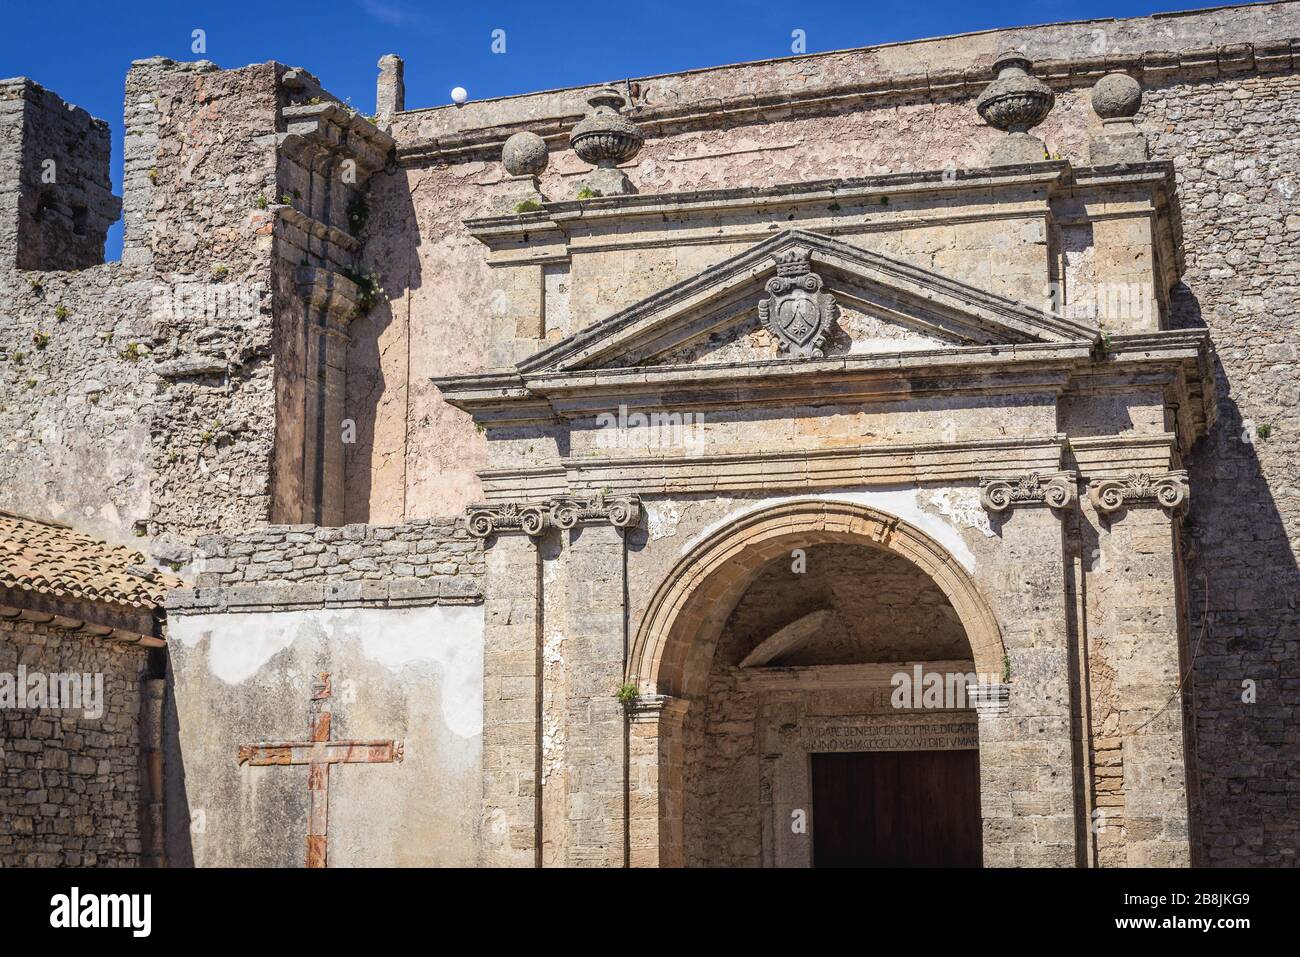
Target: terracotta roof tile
49, 558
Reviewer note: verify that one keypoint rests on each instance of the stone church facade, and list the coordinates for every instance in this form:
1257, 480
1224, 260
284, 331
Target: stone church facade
729, 468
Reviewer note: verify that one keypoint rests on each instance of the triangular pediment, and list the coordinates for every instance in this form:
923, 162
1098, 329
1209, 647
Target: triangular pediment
745, 309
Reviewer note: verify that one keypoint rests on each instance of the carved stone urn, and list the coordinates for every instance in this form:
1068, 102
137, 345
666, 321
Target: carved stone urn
606, 138
1015, 102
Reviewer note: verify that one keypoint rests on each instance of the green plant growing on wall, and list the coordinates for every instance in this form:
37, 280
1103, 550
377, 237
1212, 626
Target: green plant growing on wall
35, 285
262, 202
18, 356
153, 176
587, 193
1264, 430
1006, 668
628, 694
40, 339
61, 312
132, 352
31, 383
369, 291
220, 271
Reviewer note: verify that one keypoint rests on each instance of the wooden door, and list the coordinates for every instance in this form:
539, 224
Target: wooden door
896, 809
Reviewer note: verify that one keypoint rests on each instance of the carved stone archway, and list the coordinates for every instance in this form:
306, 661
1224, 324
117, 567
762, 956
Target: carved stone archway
674, 645
689, 609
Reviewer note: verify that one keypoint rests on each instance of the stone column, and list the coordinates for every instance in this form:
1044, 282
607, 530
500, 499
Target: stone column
1027, 793
594, 655
656, 753
1135, 628
329, 302
510, 704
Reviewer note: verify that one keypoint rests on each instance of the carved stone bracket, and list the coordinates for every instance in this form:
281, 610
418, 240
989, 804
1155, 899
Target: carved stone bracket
656, 709
1169, 490
1056, 489
567, 512
989, 699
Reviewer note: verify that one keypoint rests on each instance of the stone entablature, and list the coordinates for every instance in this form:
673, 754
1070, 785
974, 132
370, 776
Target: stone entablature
946, 219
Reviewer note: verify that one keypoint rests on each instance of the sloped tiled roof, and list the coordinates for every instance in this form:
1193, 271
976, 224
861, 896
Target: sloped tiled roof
52, 559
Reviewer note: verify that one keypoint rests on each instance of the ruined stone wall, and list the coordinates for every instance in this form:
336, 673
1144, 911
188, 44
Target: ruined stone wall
70, 783
59, 201
74, 331
75, 398
212, 182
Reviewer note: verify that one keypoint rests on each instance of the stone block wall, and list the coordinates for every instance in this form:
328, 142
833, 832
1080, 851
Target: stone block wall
70, 784
1233, 143
428, 550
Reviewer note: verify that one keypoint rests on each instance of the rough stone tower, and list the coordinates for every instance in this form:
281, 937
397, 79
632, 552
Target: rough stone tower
56, 201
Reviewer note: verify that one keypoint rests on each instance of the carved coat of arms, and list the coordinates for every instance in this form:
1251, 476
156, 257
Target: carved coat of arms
796, 310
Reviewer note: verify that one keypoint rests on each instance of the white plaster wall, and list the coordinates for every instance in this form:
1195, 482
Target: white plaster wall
414, 674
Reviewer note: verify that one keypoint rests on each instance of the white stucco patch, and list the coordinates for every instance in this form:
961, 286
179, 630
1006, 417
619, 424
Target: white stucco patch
551, 653
902, 503
963, 506
238, 645
661, 519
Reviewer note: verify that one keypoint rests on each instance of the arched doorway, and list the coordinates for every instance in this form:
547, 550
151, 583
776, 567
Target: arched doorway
773, 648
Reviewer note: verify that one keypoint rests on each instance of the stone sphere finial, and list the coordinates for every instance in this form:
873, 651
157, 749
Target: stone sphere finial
1116, 96
1016, 101
524, 154
605, 138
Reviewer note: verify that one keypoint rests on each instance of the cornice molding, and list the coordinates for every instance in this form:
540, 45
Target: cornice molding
1150, 68
780, 470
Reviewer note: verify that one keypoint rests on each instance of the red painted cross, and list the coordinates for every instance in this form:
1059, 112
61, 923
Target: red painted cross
318, 754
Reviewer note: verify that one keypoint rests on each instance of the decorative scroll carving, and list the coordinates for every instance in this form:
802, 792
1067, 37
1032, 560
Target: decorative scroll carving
536, 518
796, 311
1059, 490
1169, 490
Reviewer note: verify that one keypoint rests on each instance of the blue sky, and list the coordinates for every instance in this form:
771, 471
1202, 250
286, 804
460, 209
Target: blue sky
82, 50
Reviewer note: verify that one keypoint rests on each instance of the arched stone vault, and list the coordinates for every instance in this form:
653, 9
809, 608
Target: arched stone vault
674, 643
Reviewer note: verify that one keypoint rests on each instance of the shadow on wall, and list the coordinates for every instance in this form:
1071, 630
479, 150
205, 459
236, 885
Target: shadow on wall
1244, 637
393, 252
179, 819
